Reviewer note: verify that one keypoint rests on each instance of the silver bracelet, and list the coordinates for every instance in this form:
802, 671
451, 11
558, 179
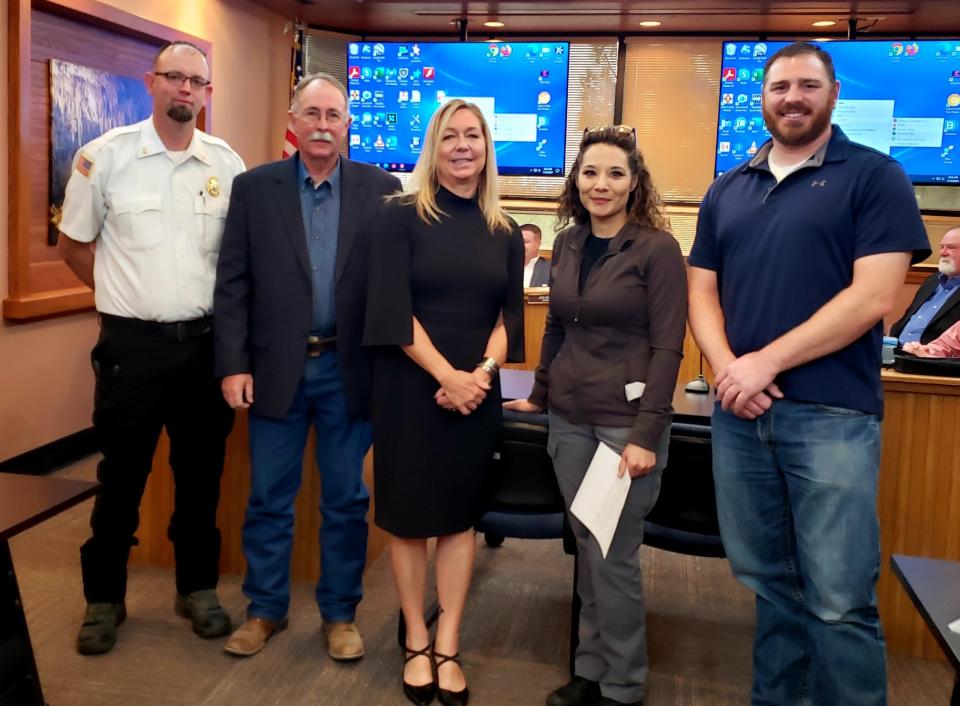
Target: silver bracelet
490, 366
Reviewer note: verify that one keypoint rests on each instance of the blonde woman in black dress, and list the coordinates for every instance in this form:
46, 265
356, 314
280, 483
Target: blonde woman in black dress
445, 310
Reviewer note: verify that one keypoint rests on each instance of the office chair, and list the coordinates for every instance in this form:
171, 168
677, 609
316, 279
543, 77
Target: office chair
684, 519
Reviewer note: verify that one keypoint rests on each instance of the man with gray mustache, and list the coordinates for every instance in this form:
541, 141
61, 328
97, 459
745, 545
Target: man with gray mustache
288, 321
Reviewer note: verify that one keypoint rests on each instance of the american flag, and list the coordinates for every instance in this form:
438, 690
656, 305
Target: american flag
296, 73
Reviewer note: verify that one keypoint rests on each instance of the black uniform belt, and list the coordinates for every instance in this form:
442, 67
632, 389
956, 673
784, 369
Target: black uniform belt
320, 344
176, 330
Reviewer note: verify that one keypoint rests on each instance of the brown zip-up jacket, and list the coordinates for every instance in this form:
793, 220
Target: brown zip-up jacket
627, 326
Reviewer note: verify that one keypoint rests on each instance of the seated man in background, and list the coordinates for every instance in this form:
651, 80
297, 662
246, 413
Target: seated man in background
536, 270
946, 346
936, 307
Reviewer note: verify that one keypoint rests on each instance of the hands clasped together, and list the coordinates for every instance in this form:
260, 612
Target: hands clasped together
746, 387
463, 392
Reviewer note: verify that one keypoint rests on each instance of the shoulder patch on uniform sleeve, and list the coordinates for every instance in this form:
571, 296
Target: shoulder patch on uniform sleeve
84, 164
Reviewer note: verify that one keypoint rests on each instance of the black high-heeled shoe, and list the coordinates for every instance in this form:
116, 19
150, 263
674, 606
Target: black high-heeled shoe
447, 697
425, 693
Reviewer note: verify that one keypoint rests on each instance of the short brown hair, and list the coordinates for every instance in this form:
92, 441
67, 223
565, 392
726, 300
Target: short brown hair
172, 45
533, 228
799, 49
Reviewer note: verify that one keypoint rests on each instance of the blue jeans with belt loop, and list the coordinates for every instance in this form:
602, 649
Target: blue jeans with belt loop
276, 463
797, 503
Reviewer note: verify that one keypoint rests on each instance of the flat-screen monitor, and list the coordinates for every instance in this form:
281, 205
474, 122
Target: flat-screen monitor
520, 87
901, 97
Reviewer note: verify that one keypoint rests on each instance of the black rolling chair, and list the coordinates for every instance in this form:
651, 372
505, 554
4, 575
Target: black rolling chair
684, 519
523, 500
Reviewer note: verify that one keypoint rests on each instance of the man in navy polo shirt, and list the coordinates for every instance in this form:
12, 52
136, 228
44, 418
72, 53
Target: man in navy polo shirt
798, 256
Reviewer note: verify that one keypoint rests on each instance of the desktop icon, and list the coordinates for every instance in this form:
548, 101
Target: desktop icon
415, 75
378, 49
493, 50
896, 48
723, 147
911, 49
744, 74
726, 98
390, 73
505, 50
403, 51
365, 49
366, 73
391, 118
729, 74
758, 74
415, 50
740, 124
742, 98
414, 96
366, 119
354, 49
953, 100
354, 94
746, 50
558, 50
544, 76
415, 142
731, 49
379, 119
403, 96
403, 73
949, 125
378, 73
354, 140
543, 98
533, 51
378, 95
353, 72
391, 142
759, 50
378, 143
429, 73
415, 121
366, 95
726, 123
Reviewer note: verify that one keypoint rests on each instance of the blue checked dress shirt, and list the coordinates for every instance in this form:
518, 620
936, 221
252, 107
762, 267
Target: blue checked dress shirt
921, 319
320, 206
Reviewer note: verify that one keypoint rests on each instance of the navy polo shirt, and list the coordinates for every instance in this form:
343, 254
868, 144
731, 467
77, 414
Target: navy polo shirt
782, 251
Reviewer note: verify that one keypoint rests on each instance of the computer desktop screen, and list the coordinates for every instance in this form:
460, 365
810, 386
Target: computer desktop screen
899, 97
520, 87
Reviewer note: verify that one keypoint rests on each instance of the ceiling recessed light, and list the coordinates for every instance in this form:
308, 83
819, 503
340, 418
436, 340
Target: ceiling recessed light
493, 24
823, 39
650, 23
824, 23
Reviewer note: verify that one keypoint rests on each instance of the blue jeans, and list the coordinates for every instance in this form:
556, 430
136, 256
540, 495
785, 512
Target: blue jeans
276, 461
797, 503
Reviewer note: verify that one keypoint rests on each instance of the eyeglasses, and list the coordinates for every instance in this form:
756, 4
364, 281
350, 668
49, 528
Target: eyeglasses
616, 129
312, 115
178, 79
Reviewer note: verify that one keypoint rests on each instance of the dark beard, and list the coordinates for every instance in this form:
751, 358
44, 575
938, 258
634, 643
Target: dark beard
794, 139
180, 113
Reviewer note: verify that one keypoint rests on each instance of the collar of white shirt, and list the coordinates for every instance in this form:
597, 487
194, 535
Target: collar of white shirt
151, 144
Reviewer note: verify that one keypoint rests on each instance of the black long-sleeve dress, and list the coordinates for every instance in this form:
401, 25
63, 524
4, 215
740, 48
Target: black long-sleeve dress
455, 276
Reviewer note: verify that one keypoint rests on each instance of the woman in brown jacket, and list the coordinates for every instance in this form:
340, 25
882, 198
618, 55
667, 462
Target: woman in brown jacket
611, 353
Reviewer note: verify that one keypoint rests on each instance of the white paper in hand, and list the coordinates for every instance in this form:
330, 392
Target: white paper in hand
601, 496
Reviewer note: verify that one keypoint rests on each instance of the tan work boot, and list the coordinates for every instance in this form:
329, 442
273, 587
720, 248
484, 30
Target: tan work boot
343, 641
251, 637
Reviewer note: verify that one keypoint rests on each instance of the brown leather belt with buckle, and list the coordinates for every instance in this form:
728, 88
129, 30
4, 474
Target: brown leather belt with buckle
317, 345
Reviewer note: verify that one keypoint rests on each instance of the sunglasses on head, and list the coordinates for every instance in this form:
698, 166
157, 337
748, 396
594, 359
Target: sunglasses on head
616, 129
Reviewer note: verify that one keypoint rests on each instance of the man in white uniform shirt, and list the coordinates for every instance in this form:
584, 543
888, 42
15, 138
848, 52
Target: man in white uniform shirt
153, 197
